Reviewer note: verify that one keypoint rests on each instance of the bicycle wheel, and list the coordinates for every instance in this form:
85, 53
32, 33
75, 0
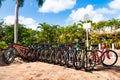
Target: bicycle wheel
89, 60
69, 58
63, 58
57, 57
77, 59
53, 57
97, 56
46, 56
31, 56
9, 56
41, 55
110, 58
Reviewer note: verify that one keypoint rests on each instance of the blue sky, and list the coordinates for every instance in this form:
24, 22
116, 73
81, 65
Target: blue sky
61, 12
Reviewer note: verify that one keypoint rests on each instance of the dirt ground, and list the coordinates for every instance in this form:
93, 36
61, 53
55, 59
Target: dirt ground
43, 71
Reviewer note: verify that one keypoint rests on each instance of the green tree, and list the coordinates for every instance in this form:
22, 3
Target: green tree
19, 3
116, 23
44, 35
1, 30
53, 33
8, 33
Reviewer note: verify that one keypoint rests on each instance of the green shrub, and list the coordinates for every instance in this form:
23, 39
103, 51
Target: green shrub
3, 45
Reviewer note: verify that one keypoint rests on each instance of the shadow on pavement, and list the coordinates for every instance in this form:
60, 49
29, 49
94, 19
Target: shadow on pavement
1, 61
103, 68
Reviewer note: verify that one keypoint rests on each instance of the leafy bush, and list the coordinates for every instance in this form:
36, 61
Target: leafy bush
3, 45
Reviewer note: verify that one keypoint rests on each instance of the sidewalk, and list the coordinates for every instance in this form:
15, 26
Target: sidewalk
117, 51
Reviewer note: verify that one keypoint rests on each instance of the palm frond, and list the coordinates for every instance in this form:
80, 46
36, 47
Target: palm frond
1, 2
21, 3
40, 2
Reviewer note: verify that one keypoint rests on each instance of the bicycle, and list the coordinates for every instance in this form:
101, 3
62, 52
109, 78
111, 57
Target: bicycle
69, 55
16, 50
83, 58
42, 51
33, 54
61, 54
106, 56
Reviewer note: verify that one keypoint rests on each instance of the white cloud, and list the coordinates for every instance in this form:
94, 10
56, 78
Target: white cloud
103, 13
9, 20
118, 17
28, 22
115, 4
106, 11
56, 6
78, 14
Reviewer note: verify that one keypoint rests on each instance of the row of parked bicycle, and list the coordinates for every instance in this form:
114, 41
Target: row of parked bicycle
75, 54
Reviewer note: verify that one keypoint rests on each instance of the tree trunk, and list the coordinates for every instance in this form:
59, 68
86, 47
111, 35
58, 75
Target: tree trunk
16, 22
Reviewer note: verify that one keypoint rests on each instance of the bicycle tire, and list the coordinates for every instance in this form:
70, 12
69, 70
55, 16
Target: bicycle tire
77, 59
48, 57
112, 61
89, 60
8, 56
53, 57
31, 56
57, 57
97, 56
63, 58
69, 59
41, 55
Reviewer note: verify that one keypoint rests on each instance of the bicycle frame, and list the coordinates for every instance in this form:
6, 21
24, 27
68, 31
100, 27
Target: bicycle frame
19, 49
104, 47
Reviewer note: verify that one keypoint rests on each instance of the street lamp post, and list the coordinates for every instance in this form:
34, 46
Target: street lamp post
87, 27
87, 37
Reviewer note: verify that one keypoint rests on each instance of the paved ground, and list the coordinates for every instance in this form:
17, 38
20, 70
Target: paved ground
44, 71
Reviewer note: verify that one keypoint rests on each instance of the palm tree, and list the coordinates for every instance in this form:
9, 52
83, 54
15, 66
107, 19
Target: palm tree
116, 23
1, 2
19, 3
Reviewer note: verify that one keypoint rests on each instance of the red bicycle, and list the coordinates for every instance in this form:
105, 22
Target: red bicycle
106, 56
15, 50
